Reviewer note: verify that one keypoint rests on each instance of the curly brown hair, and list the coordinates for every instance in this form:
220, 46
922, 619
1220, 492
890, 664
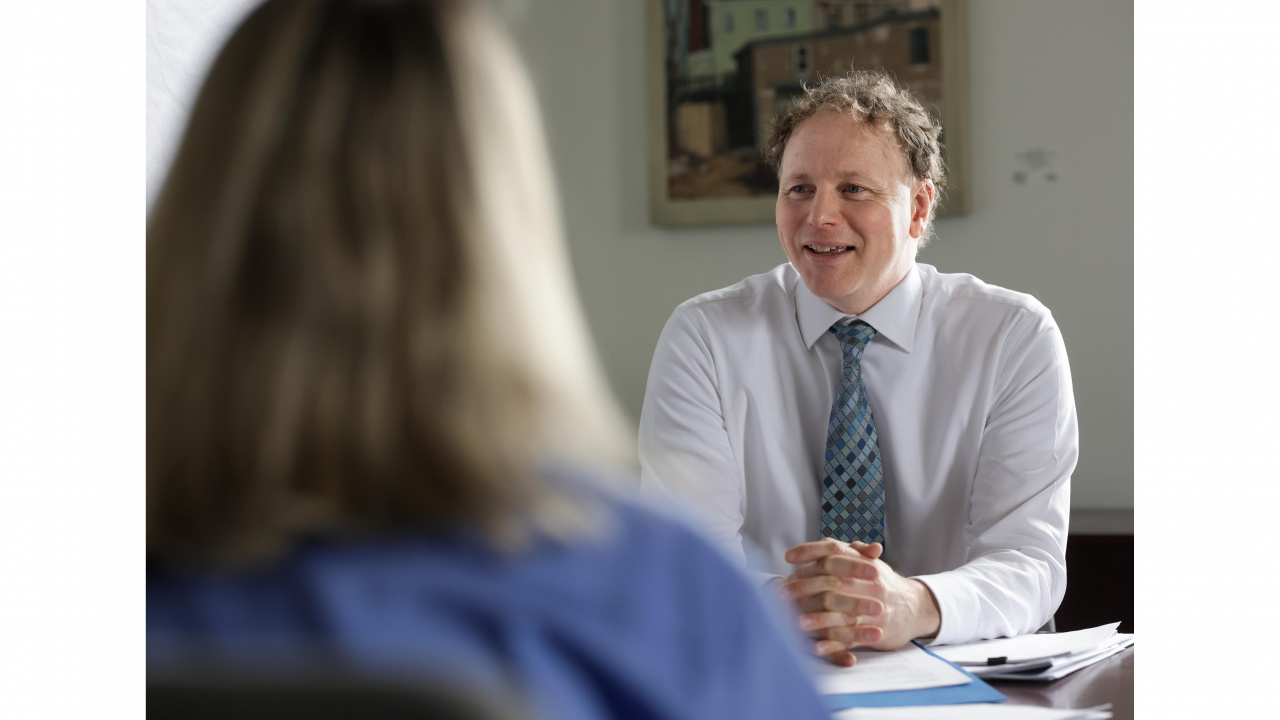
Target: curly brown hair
873, 97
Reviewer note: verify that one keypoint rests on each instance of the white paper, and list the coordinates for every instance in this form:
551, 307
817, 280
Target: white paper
974, 711
1117, 642
985, 671
908, 668
1028, 647
183, 38
1061, 667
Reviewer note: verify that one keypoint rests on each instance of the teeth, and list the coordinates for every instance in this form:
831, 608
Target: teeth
825, 250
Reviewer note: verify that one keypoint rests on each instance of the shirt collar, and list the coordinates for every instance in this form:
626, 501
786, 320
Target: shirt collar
894, 317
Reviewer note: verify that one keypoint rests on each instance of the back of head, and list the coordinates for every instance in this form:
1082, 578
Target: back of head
359, 310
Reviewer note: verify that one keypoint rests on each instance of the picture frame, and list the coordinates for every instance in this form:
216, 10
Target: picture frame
719, 71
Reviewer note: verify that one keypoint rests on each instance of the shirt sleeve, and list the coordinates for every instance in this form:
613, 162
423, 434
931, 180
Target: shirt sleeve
1016, 572
686, 458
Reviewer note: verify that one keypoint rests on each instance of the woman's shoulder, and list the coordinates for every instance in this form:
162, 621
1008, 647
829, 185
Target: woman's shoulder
635, 607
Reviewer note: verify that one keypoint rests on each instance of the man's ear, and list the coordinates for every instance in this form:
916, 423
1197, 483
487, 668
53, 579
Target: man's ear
921, 204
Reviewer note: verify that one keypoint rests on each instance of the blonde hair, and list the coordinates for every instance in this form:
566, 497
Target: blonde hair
360, 314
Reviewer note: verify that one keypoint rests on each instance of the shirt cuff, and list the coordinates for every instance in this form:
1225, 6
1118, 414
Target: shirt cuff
957, 605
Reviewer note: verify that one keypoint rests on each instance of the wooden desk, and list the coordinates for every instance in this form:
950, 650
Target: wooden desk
1110, 681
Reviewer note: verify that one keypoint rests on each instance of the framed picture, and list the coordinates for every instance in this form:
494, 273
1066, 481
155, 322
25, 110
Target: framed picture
720, 71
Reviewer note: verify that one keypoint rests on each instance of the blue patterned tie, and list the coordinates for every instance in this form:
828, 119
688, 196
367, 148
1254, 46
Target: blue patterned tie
852, 482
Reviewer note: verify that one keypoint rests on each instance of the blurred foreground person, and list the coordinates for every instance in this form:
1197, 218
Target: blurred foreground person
372, 405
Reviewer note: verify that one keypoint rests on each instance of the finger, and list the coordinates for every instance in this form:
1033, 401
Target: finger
811, 551
804, 587
823, 620
864, 612
844, 658
826, 602
794, 590
869, 550
835, 640
842, 565
850, 638
849, 603
824, 648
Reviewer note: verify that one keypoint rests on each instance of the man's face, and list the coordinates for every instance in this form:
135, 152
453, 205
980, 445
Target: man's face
849, 214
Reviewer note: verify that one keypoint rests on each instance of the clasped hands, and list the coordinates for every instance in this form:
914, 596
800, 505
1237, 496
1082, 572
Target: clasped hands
848, 597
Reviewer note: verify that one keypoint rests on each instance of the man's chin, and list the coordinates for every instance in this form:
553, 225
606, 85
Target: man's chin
827, 286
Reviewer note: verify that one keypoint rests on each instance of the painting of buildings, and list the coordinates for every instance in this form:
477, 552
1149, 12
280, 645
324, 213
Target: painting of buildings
731, 66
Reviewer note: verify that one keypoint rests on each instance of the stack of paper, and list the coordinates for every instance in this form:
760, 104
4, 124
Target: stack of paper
1037, 657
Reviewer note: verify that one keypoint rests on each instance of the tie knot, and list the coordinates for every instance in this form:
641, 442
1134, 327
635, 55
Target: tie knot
853, 339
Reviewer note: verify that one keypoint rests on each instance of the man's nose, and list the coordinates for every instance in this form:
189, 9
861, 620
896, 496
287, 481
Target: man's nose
824, 211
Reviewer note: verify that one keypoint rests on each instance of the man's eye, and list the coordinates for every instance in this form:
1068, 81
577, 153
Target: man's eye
853, 188
799, 189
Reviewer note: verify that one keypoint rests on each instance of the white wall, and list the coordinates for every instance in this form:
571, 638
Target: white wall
183, 37
1056, 76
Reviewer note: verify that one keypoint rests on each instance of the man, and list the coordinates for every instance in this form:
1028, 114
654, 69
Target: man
902, 437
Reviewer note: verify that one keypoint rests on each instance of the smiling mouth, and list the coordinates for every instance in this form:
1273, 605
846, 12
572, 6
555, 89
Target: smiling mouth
827, 249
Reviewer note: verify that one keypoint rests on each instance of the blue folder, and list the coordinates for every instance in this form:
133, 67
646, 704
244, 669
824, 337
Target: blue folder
976, 691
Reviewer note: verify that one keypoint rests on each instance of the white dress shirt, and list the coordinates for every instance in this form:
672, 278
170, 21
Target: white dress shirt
971, 396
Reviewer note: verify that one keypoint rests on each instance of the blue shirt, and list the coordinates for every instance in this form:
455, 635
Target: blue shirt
645, 621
